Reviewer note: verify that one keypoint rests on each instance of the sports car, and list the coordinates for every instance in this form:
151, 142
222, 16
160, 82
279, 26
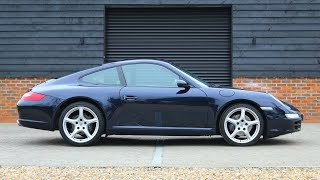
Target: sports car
152, 97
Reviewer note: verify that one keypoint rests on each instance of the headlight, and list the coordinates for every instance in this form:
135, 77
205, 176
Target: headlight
293, 116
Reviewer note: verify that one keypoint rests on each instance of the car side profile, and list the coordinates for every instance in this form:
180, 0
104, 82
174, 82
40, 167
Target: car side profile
151, 97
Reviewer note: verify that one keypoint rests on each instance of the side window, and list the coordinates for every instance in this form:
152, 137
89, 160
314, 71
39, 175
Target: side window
150, 75
105, 77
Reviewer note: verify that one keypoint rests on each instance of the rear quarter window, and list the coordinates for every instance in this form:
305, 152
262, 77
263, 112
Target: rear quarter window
108, 77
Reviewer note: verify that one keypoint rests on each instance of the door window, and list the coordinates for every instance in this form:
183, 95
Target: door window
107, 77
149, 75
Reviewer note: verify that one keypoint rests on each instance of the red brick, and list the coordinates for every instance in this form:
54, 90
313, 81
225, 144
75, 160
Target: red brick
300, 92
11, 90
304, 93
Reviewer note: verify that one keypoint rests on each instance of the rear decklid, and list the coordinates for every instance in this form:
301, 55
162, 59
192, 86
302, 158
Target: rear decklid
50, 81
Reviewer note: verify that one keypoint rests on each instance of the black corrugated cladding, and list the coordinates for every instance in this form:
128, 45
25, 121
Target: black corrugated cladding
197, 39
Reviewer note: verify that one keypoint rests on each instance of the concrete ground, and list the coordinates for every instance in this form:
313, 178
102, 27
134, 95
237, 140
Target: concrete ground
21, 146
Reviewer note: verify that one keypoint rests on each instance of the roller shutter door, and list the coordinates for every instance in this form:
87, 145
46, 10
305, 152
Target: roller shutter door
197, 39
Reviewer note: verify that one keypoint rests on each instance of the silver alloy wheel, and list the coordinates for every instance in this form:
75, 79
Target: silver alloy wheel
80, 128
242, 125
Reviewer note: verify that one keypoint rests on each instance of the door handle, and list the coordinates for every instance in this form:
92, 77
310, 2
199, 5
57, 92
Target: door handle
129, 98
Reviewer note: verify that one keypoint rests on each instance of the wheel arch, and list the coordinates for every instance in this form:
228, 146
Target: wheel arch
239, 101
69, 101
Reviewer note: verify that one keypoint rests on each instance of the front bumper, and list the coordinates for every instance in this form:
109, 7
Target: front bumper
279, 122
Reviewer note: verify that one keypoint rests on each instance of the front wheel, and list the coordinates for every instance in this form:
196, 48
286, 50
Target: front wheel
241, 125
81, 124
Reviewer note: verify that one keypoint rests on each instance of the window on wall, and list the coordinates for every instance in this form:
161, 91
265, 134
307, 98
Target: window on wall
149, 75
107, 77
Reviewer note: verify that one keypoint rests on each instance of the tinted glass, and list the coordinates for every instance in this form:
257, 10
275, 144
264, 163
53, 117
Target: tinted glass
150, 75
104, 77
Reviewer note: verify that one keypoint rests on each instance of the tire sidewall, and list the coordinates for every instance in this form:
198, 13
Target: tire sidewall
101, 127
223, 118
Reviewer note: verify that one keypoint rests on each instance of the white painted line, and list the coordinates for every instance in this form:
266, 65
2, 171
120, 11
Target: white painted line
158, 154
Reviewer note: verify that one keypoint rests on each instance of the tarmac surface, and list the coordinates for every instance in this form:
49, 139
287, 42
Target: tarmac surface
21, 146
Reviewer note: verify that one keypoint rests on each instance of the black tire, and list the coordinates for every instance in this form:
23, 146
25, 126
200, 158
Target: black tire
223, 119
101, 126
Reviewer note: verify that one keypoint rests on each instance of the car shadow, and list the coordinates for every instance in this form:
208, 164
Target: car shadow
160, 140
45, 142
171, 141
185, 141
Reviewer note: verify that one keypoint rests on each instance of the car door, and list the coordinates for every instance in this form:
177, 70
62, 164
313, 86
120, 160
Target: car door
151, 98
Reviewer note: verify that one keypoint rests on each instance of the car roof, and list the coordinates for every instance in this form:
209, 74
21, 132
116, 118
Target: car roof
73, 78
134, 61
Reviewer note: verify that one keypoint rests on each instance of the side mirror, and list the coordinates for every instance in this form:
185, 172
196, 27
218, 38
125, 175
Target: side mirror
182, 83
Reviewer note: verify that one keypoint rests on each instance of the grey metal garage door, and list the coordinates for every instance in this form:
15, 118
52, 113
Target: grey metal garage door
197, 39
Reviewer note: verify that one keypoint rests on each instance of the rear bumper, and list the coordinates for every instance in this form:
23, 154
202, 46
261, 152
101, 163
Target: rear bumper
38, 114
33, 124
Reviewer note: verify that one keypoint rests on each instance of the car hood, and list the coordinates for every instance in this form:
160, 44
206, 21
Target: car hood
237, 90
226, 94
262, 99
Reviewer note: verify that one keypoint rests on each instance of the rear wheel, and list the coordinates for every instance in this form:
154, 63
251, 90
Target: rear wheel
241, 125
81, 124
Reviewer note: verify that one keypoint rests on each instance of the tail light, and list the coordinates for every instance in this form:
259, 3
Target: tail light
32, 96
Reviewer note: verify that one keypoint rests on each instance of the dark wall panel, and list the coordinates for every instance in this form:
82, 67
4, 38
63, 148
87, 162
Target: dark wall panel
50, 40
276, 40
270, 37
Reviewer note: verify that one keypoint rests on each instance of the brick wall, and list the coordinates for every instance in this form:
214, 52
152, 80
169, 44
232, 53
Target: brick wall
304, 93
11, 90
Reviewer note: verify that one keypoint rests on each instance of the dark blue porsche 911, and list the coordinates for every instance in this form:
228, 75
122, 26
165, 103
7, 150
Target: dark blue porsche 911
150, 97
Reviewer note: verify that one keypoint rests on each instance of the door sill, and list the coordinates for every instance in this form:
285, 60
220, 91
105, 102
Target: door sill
151, 130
